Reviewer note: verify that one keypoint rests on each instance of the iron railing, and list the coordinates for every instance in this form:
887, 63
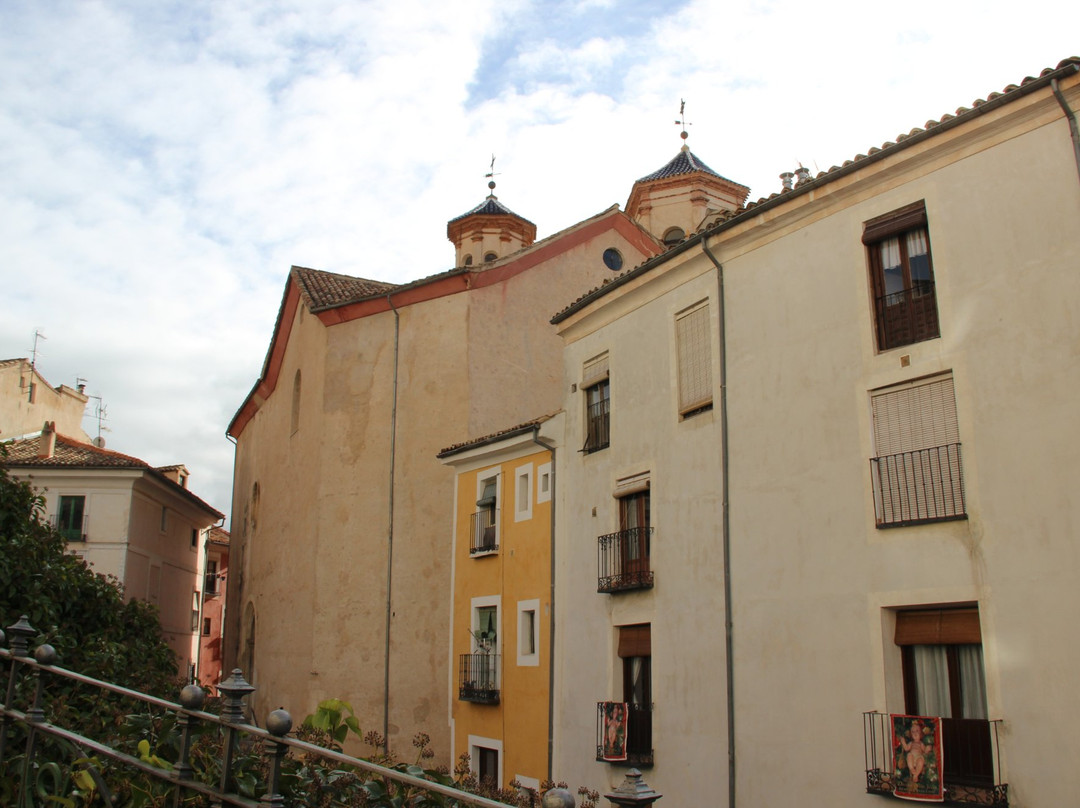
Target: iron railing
971, 753
598, 426
922, 486
478, 678
623, 560
484, 531
77, 532
639, 751
30, 747
908, 316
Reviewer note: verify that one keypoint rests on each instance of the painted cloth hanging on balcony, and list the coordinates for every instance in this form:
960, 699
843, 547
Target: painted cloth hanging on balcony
917, 757
615, 715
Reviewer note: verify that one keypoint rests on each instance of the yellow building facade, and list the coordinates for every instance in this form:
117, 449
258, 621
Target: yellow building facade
501, 613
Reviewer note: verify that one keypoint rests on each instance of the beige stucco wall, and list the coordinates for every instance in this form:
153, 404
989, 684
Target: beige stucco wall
315, 567
20, 416
814, 582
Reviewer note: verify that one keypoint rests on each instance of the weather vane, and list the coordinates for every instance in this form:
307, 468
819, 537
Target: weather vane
491, 173
682, 120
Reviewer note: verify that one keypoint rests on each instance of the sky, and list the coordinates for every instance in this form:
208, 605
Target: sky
163, 164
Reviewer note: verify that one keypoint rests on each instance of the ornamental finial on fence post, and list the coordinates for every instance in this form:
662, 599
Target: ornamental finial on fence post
232, 692
557, 798
21, 632
633, 792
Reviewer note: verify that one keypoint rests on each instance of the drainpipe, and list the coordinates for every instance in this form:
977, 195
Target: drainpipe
390, 531
1074, 130
725, 532
551, 619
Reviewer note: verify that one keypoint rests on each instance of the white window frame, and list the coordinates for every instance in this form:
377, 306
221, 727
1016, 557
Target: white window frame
474, 620
477, 742
523, 478
529, 783
526, 660
543, 483
482, 477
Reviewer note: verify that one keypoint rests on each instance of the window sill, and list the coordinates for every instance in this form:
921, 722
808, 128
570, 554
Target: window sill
927, 521
481, 553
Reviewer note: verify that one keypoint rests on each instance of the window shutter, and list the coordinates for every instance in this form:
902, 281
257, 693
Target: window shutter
595, 370
635, 641
694, 358
939, 627
897, 221
917, 415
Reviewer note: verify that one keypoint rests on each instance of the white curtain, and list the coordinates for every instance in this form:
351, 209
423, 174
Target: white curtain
916, 244
972, 681
932, 680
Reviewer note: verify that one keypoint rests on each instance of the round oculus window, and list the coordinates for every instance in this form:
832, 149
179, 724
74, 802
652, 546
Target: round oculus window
612, 259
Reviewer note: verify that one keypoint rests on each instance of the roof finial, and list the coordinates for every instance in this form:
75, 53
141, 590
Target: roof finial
491, 173
682, 122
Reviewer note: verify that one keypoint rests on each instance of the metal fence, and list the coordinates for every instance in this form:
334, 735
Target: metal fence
51, 764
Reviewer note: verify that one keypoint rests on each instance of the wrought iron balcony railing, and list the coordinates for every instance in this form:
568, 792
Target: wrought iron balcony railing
624, 560
598, 426
922, 486
971, 753
639, 751
908, 316
71, 532
478, 678
484, 532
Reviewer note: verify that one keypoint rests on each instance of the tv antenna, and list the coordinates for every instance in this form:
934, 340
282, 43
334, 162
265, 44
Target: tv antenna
101, 413
682, 120
33, 363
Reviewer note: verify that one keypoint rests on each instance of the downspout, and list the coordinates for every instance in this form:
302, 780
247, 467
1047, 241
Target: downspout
390, 531
1073, 128
725, 531
551, 619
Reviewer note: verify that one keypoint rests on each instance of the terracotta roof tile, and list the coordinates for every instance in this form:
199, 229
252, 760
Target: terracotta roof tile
68, 453
825, 176
494, 436
323, 289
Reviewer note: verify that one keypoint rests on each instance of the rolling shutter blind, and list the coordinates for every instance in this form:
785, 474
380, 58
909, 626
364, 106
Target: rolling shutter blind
595, 370
917, 415
695, 358
906, 218
939, 627
635, 641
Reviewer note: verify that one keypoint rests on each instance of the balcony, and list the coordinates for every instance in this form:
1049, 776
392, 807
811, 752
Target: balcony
907, 316
483, 532
478, 678
71, 531
624, 560
598, 426
639, 751
915, 487
971, 753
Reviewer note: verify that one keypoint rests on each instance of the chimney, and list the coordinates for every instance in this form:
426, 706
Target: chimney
788, 179
803, 173
47, 444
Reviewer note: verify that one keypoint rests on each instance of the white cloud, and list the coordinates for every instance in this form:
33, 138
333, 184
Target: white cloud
164, 164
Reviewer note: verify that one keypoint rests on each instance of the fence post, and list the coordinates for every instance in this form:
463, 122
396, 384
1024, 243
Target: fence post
20, 632
633, 792
44, 655
191, 698
232, 692
278, 724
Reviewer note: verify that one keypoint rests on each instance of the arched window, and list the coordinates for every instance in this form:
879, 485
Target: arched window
468, 260
295, 420
673, 235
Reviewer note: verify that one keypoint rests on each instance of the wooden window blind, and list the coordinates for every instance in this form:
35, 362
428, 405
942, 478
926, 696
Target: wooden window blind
939, 627
694, 358
915, 415
594, 371
635, 641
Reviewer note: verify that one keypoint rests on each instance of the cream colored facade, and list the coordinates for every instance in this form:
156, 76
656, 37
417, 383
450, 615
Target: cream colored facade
501, 613
342, 515
133, 522
822, 587
27, 401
